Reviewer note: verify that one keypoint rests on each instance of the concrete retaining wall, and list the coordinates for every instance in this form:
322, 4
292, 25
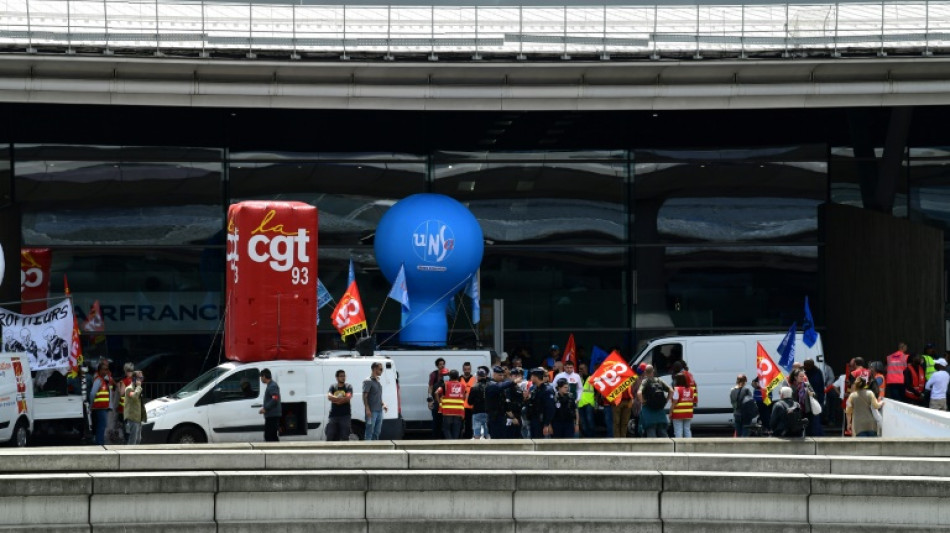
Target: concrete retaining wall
496, 501
596, 486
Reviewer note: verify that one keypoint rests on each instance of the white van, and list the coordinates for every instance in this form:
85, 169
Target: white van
16, 399
415, 364
715, 361
222, 405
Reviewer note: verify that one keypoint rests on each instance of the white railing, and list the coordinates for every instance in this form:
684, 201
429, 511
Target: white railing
656, 31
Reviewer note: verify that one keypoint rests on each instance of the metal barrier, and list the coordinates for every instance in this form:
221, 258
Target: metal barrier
517, 31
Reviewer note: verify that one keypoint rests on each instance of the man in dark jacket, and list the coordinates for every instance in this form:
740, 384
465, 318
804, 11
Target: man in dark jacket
780, 416
817, 381
271, 409
496, 403
541, 405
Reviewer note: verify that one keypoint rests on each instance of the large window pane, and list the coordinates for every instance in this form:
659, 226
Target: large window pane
117, 195
351, 194
698, 288
854, 180
539, 197
930, 187
147, 291
729, 196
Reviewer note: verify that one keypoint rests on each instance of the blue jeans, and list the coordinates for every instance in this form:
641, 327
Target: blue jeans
741, 429
587, 421
374, 425
480, 425
101, 420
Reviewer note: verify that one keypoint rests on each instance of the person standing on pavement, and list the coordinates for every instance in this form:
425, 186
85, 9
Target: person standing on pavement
540, 405
496, 403
896, 363
436, 379
476, 398
451, 398
566, 421
740, 395
653, 394
100, 400
271, 410
937, 385
816, 380
469, 379
373, 402
339, 396
134, 410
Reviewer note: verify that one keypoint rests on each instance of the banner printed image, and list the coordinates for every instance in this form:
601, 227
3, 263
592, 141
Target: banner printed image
43, 336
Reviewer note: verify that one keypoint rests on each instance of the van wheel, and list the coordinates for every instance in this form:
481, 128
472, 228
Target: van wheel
357, 430
21, 435
187, 435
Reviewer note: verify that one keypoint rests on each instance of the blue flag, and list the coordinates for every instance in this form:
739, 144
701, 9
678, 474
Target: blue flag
786, 349
810, 336
352, 275
597, 356
399, 292
323, 295
472, 291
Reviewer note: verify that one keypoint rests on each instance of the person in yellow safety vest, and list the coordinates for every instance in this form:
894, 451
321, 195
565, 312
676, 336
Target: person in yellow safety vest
586, 407
896, 364
928, 359
120, 387
681, 412
100, 399
451, 397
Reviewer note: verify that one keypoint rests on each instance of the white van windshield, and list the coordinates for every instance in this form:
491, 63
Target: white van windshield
200, 382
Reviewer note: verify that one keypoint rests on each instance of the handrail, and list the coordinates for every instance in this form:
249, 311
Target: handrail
630, 29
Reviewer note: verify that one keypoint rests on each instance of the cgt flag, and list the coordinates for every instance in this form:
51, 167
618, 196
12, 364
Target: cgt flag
75, 344
348, 316
613, 377
769, 373
570, 351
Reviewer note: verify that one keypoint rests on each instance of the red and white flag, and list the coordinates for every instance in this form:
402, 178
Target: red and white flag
94, 322
570, 352
613, 377
348, 316
770, 375
75, 347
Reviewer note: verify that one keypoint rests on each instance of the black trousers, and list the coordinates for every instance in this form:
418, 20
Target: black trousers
271, 424
338, 428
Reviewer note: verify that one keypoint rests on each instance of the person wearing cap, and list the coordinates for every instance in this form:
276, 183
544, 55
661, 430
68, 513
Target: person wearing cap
514, 405
496, 403
937, 385
566, 422
540, 405
575, 382
476, 398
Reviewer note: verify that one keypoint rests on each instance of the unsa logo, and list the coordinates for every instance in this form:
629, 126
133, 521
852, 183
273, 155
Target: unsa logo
433, 241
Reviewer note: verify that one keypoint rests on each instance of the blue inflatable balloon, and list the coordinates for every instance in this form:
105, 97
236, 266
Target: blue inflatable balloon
441, 245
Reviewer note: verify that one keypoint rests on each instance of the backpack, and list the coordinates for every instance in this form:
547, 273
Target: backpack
794, 424
654, 394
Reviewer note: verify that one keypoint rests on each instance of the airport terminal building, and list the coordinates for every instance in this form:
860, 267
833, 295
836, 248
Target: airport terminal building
637, 170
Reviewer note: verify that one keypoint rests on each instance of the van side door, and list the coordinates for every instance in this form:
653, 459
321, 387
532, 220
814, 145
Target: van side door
233, 404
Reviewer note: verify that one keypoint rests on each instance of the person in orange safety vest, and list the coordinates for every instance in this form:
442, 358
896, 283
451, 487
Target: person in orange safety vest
896, 364
682, 409
451, 398
914, 381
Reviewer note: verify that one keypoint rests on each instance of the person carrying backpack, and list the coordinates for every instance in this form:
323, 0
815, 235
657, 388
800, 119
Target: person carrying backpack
654, 395
786, 420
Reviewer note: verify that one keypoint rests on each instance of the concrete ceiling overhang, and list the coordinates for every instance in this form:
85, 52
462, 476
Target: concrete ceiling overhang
476, 86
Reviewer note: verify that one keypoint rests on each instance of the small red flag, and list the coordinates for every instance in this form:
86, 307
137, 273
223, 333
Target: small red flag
348, 316
570, 352
75, 347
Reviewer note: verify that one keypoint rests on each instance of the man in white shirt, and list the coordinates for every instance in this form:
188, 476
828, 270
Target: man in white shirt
574, 380
937, 385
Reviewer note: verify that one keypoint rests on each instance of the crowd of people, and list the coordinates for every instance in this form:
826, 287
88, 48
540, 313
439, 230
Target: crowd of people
116, 405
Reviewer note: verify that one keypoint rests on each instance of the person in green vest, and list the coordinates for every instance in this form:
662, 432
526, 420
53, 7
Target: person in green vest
928, 359
586, 407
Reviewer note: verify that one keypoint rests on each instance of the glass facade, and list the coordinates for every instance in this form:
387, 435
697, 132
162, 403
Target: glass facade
613, 246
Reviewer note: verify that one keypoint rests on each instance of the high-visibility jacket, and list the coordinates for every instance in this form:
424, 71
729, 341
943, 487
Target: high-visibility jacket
101, 399
126, 382
691, 383
453, 399
469, 383
587, 394
916, 390
929, 368
683, 407
896, 363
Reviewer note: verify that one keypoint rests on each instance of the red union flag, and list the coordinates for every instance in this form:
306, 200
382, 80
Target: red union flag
348, 316
613, 377
34, 279
570, 352
769, 374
